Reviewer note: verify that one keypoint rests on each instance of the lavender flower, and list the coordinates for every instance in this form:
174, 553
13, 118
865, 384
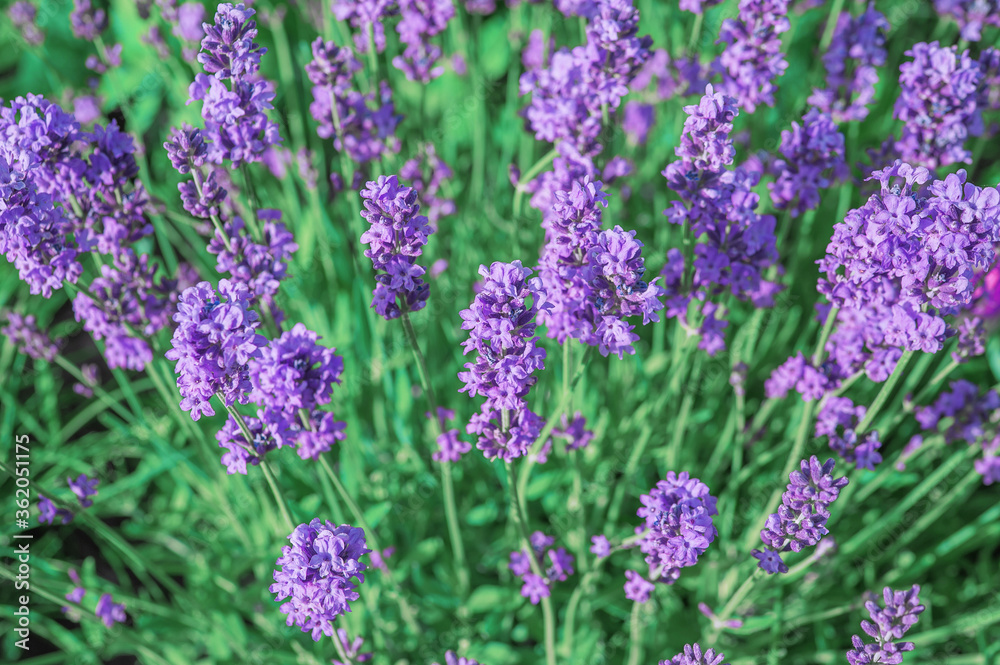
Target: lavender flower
838, 419
935, 238
450, 447
693, 655
569, 96
557, 565
972, 15
318, 573
801, 519
23, 333
83, 487
48, 513
678, 525
213, 344
851, 62
972, 418
352, 648
86, 21
368, 18
888, 625
501, 325
419, 21
262, 266
637, 588
110, 612
124, 302
938, 98
752, 58
228, 49
395, 238
812, 159
717, 204
361, 125
91, 378
22, 15
593, 278
601, 547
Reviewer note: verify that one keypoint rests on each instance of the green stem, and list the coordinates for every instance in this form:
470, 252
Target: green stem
831, 25
551, 422
447, 483
734, 601
695, 31
885, 392
635, 633
264, 466
520, 520
527, 176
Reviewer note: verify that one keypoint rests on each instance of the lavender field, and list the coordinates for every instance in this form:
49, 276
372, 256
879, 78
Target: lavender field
598, 332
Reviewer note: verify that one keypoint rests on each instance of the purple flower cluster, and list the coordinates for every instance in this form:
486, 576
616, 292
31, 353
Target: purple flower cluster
23, 333
593, 277
22, 16
939, 105
106, 610
972, 15
125, 306
569, 96
501, 325
419, 21
368, 18
801, 518
887, 627
318, 573
48, 513
693, 655
555, 562
450, 447
857, 50
752, 58
905, 260
261, 266
678, 525
719, 205
974, 418
236, 124
838, 420
812, 158
82, 488
363, 126
86, 21
395, 238
202, 195
213, 343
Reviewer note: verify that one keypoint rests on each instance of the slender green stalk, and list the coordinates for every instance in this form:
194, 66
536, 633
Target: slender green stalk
447, 483
885, 392
520, 521
405, 610
526, 177
372, 58
831, 25
695, 32
734, 601
550, 424
635, 632
268, 474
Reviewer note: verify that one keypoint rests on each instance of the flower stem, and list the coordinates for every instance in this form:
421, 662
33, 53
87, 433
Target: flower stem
405, 610
264, 467
447, 483
550, 424
635, 635
733, 603
526, 177
520, 520
831, 25
885, 392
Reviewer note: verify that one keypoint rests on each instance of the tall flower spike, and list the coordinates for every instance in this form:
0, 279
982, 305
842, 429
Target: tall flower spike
228, 49
887, 626
320, 573
812, 158
214, 341
395, 238
801, 519
752, 58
